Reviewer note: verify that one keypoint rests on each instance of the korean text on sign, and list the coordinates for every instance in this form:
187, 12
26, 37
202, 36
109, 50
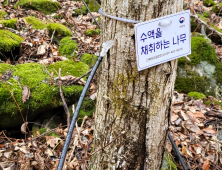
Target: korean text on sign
162, 39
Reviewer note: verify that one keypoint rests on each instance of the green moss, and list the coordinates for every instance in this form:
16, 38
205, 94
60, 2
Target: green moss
82, 11
8, 40
168, 163
45, 6
58, 16
214, 102
43, 96
196, 95
2, 14
217, 8
201, 50
43, 130
60, 29
70, 68
35, 23
187, 84
4, 67
206, 14
10, 23
87, 108
93, 5
91, 32
89, 59
67, 47
209, 3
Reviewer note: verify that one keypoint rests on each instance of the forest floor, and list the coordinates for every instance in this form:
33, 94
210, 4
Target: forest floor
195, 123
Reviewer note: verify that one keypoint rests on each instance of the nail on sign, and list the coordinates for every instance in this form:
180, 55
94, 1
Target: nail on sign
162, 39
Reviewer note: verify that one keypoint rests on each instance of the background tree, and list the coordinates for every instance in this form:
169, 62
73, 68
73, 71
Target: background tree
136, 102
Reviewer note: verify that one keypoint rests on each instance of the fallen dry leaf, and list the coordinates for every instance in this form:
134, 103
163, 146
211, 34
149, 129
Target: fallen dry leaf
23, 127
206, 165
25, 93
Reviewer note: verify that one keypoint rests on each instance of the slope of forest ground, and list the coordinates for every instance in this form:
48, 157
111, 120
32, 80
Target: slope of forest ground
42, 40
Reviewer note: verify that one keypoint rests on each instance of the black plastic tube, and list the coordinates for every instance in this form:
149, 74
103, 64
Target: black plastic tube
91, 13
177, 152
76, 113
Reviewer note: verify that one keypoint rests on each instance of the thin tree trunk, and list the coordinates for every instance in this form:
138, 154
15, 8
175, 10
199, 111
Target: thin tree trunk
136, 102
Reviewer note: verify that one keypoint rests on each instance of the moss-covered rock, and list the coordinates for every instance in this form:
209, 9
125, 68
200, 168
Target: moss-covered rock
58, 16
43, 96
201, 74
87, 108
45, 6
209, 3
92, 32
9, 41
2, 14
89, 59
206, 14
93, 5
168, 163
83, 10
61, 31
67, 47
10, 23
217, 8
196, 95
35, 23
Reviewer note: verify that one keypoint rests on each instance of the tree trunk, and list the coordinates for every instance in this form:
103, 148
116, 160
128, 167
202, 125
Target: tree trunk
135, 102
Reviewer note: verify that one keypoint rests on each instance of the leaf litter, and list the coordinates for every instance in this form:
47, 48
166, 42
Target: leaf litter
196, 133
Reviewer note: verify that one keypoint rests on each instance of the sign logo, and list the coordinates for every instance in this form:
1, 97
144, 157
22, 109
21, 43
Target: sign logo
182, 20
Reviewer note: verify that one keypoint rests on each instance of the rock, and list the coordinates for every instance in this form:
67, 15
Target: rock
2, 14
82, 11
201, 74
44, 96
87, 109
217, 8
89, 59
92, 33
9, 41
93, 7
61, 31
45, 6
209, 3
9, 23
35, 23
68, 47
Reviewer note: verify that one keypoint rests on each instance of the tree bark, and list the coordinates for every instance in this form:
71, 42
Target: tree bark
136, 102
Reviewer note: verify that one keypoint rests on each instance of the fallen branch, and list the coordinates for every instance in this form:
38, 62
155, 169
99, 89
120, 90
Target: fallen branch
208, 26
82, 76
63, 99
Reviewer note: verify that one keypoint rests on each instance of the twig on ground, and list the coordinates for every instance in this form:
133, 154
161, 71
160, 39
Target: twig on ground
122, 133
52, 37
15, 102
63, 99
47, 124
45, 70
44, 134
82, 76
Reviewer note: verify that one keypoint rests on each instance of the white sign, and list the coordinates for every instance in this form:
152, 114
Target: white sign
162, 39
